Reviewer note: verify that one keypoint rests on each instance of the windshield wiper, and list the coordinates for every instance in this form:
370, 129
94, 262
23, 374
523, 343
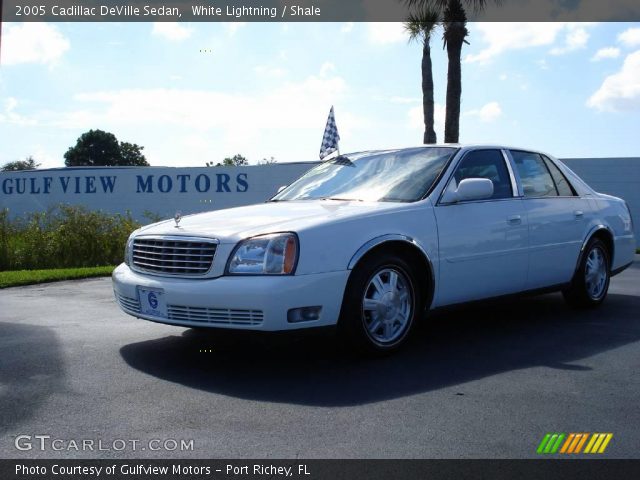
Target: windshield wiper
337, 199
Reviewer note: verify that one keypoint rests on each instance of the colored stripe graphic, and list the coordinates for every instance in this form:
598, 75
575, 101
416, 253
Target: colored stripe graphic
565, 447
573, 443
543, 443
550, 443
598, 443
582, 440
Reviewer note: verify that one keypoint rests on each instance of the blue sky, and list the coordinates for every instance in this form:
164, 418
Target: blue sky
195, 93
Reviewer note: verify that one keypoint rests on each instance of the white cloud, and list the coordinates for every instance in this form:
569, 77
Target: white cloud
45, 158
630, 37
172, 31
32, 43
270, 71
488, 113
543, 64
326, 69
504, 36
233, 27
293, 105
347, 27
620, 91
9, 114
575, 39
501, 37
203, 121
608, 52
383, 33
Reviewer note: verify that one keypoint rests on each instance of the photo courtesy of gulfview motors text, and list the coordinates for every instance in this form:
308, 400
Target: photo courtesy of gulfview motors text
319, 239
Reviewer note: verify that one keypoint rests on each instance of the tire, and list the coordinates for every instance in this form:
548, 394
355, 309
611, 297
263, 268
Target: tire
590, 283
381, 303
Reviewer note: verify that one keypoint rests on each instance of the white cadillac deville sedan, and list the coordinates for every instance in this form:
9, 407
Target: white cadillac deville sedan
369, 242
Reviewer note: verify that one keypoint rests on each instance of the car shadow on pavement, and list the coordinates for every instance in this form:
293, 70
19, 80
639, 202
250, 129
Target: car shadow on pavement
454, 347
31, 369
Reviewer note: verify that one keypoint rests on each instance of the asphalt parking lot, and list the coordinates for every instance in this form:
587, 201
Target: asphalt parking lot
480, 382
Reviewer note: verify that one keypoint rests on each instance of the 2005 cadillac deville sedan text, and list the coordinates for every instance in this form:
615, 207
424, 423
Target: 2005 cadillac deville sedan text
371, 241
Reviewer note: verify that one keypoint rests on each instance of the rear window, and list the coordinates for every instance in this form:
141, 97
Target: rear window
562, 184
534, 175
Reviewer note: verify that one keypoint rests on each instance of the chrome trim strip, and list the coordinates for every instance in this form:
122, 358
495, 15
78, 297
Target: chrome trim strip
374, 242
590, 234
514, 183
177, 238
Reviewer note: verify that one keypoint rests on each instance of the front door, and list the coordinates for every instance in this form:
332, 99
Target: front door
482, 244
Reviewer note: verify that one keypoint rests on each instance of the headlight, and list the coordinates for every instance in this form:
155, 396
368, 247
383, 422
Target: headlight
273, 254
127, 250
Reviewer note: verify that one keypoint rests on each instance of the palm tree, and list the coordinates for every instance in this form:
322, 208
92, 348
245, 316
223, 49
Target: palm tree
454, 21
420, 25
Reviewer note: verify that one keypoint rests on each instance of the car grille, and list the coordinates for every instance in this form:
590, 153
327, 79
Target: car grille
173, 256
212, 316
219, 316
129, 305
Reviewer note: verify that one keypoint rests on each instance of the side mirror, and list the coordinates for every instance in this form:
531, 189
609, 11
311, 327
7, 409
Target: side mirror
281, 188
470, 189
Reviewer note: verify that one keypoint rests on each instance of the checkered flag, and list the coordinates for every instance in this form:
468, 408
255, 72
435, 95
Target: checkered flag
331, 137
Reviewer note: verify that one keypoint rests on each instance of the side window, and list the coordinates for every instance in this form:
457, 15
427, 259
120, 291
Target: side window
562, 184
534, 174
486, 164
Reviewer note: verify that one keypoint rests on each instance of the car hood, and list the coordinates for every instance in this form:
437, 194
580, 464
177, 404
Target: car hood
233, 224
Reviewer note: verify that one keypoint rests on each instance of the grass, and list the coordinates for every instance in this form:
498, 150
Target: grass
30, 277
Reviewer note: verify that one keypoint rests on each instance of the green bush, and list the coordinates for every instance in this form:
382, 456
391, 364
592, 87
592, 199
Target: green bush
63, 237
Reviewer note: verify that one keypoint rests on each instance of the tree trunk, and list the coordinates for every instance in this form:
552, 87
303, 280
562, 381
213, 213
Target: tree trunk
455, 33
427, 94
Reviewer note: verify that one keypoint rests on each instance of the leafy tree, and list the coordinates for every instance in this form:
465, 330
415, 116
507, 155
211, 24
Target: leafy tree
235, 161
420, 26
454, 21
267, 161
99, 148
132, 155
27, 164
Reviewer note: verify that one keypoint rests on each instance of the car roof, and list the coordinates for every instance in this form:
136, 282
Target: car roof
466, 146
461, 146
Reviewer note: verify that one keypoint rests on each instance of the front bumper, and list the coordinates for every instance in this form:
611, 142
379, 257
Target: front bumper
235, 302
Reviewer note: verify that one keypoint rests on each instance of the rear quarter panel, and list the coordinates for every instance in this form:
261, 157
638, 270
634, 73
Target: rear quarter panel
613, 213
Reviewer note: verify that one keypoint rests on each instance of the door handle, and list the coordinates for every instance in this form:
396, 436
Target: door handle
514, 220
578, 213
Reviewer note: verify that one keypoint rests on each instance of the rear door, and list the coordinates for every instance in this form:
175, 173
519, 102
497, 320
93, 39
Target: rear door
482, 243
557, 219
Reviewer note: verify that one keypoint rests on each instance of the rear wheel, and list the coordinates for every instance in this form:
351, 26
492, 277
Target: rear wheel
590, 283
380, 304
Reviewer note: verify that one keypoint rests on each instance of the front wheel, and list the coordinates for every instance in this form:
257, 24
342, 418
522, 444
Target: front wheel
590, 283
380, 304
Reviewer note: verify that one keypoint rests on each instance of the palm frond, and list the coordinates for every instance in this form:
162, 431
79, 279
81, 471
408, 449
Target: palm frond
475, 6
421, 23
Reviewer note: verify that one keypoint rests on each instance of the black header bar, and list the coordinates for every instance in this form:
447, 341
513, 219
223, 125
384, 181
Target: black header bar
546, 469
306, 11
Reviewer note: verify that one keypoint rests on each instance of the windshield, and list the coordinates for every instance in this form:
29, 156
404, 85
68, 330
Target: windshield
389, 176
